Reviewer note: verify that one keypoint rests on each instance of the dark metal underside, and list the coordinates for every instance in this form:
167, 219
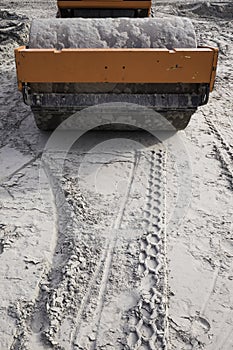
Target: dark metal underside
102, 13
166, 101
184, 97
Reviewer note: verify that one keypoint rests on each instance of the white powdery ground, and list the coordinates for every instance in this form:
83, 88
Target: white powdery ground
200, 250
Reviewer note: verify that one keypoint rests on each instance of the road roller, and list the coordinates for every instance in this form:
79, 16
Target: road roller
96, 52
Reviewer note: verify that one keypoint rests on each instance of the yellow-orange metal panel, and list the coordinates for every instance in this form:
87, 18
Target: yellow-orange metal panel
115, 65
104, 4
214, 70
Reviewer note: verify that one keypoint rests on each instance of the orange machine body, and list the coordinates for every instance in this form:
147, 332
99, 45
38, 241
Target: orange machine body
110, 4
116, 66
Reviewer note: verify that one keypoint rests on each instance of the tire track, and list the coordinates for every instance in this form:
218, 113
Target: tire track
57, 296
223, 151
148, 320
64, 295
149, 329
109, 252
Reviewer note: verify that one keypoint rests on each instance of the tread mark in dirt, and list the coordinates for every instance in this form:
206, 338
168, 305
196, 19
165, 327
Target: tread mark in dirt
146, 326
109, 251
149, 318
224, 154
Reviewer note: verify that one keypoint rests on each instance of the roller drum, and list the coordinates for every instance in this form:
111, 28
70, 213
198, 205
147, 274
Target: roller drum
167, 32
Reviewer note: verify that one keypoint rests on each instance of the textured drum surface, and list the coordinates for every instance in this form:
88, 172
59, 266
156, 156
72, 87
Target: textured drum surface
167, 32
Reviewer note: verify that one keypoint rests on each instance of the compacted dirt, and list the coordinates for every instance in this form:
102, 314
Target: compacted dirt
117, 240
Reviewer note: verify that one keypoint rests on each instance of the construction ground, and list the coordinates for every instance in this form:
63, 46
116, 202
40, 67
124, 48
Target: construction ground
125, 240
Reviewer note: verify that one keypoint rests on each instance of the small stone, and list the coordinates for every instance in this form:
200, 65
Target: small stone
45, 288
92, 337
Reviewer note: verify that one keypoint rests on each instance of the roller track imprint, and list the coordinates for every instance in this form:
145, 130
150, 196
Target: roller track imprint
149, 318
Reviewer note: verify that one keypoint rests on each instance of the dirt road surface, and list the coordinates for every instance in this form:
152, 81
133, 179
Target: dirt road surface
120, 240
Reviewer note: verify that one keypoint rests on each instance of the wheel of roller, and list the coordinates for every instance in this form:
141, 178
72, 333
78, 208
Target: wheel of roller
46, 120
167, 32
179, 119
49, 120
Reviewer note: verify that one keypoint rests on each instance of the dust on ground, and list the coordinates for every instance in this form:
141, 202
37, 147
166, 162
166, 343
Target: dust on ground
79, 263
